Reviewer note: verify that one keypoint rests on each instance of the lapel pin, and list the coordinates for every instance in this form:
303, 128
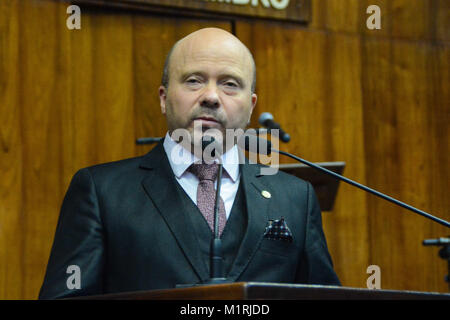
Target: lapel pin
266, 194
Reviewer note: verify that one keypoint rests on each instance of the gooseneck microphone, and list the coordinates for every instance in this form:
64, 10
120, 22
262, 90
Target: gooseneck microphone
444, 252
149, 140
216, 258
250, 141
266, 120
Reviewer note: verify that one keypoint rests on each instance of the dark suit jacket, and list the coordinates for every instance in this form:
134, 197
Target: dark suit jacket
122, 224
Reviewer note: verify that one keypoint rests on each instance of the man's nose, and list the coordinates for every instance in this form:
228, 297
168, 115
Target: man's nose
210, 98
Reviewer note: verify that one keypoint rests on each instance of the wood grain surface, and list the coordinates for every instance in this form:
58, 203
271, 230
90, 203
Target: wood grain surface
377, 99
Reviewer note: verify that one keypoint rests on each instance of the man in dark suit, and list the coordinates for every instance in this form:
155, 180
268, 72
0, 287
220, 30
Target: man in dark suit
140, 223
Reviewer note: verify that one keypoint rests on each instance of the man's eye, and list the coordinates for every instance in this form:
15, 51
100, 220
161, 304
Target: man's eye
231, 84
192, 81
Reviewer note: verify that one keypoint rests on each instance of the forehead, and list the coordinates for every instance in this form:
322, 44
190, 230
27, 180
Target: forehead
218, 55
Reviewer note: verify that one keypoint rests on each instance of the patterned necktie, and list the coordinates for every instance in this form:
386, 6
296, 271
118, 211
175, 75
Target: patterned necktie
206, 194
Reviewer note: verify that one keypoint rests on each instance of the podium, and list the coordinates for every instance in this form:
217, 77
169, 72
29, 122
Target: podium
325, 186
270, 291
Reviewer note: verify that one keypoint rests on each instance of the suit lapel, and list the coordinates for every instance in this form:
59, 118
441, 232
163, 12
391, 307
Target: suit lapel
257, 211
160, 187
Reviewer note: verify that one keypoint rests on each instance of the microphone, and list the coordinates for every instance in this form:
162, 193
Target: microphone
250, 141
437, 242
444, 252
266, 120
148, 140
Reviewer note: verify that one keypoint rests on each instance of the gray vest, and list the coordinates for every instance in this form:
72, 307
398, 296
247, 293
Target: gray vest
232, 235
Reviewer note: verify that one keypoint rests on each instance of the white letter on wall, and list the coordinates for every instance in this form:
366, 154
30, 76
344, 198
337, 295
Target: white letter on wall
279, 4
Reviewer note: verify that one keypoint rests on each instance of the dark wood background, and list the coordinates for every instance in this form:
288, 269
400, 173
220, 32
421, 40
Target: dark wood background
377, 99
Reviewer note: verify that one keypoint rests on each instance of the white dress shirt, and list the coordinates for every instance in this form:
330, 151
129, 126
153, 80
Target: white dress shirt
180, 160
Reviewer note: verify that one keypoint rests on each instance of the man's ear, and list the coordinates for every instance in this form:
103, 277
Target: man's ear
162, 98
254, 99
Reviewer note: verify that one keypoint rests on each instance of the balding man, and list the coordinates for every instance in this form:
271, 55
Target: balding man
209, 78
145, 223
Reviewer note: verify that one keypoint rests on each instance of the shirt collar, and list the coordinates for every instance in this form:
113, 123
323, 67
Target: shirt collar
181, 159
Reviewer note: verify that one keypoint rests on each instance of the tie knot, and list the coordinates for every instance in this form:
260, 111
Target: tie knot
205, 171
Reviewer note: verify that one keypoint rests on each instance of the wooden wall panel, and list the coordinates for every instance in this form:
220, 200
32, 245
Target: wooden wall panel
314, 91
406, 19
10, 154
375, 99
41, 85
438, 89
113, 84
379, 101
337, 15
69, 99
419, 19
79, 114
406, 128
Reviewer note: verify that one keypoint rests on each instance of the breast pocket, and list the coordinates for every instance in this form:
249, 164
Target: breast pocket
279, 247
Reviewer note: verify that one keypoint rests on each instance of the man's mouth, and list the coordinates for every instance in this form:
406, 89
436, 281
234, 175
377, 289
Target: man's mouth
207, 121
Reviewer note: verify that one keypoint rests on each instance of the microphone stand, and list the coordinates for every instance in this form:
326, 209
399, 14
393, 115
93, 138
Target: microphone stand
363, 187
444, 252
216, 259
250, 141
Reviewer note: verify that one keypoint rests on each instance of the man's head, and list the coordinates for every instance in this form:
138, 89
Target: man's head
209, 79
